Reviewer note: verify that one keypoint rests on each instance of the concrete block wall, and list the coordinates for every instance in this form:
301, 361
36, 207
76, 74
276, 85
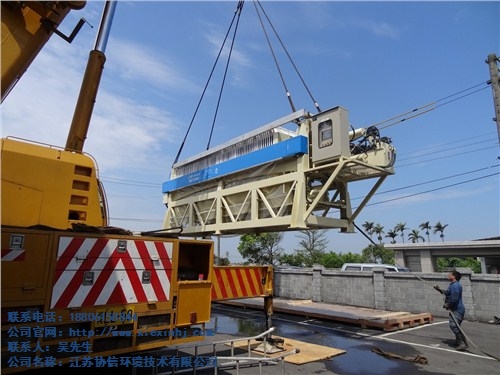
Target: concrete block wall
486, 303
390, 291
297, 284
354, 291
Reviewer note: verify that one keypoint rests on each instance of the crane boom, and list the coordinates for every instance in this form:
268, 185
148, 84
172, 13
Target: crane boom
26, 28
90, 85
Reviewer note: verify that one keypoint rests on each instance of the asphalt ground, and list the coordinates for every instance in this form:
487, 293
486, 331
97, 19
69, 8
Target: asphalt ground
431, 341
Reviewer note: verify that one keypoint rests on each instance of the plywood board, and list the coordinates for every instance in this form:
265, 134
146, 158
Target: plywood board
308, 352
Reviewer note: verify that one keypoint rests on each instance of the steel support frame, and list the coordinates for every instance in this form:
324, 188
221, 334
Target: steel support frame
208, 213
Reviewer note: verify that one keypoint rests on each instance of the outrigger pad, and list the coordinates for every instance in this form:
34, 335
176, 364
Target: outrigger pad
269, 347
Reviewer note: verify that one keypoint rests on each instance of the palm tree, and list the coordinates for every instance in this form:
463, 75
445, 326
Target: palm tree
378, 230
368, 225
414, 236
426, 226
392, 234
401, 227
440, 228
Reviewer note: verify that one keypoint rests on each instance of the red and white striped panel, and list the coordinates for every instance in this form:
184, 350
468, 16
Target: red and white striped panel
9, 255
117, 275
237, 282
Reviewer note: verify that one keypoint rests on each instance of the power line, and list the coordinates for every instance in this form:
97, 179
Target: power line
430, 150
121, 181
430, 106
435, 180
136, 219
448, 156
133, 196
436, 189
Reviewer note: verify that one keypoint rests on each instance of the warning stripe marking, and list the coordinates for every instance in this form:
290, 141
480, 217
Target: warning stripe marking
71, 249
155, 281
252, 286
117, 275
217, 291
17, 255
237, 283
75, 278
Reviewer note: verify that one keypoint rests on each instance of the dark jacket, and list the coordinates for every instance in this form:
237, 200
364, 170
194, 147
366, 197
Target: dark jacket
453, 297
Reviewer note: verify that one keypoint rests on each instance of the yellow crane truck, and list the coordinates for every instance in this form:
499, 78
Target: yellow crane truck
71, 284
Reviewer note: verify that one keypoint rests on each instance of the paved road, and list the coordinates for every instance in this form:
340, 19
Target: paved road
431, 341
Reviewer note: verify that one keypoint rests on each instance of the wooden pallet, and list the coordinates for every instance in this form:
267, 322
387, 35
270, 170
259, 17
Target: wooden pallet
396, 321
365, 317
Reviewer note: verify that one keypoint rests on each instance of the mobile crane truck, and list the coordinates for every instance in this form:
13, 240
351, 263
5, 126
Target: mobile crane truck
71, 283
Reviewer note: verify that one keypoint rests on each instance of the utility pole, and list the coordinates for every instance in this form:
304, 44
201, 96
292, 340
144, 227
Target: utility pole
492, 62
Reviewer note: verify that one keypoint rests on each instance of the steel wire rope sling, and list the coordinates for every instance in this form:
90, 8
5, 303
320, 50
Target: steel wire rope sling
237, 15
289, 96
454, 318
452, 315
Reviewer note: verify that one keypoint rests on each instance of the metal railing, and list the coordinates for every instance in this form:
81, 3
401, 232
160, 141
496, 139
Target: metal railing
233, 361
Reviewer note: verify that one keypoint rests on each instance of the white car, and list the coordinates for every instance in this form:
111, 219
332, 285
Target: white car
371, 266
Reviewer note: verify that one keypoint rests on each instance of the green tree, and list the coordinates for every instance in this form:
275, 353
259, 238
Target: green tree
292, 260
400, 228
312, 245
224, 261
261, 248
378, 254
334, 260
444, 264
438, 227
378, 230
392, 235
368, 225
414, 236
427, 227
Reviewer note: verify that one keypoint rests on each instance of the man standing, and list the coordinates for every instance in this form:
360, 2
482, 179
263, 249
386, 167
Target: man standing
453, 302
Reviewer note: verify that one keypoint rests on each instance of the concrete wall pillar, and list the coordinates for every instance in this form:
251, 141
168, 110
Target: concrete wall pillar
379, 288
316, 283
467, 296
399, 258
482, 260
426, 261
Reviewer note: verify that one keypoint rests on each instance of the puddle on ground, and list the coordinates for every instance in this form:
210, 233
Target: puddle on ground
235, 326
358, 359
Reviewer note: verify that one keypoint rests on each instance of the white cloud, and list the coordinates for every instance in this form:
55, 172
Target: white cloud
125, 133
240, 61
378, 28
134, 62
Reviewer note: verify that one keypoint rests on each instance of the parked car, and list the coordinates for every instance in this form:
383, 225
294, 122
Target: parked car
370, 266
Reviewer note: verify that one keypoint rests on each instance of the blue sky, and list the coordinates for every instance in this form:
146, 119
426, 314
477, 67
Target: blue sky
377, 59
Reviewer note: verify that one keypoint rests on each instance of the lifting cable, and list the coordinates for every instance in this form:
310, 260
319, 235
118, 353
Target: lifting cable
237, 15
431, 106
452, 315
289, 96
239, 8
